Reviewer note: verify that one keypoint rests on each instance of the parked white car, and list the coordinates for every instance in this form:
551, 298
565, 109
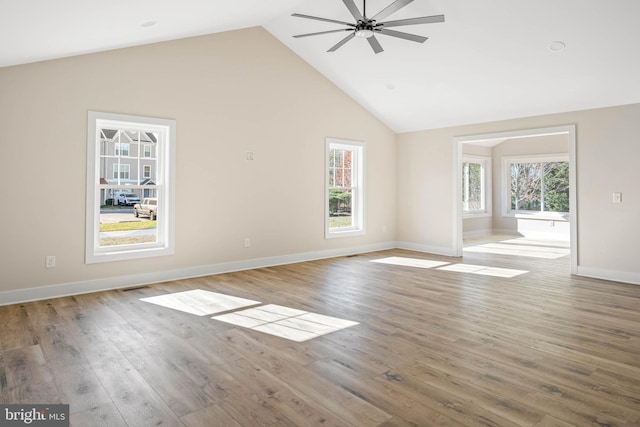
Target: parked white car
148, 207
126, 198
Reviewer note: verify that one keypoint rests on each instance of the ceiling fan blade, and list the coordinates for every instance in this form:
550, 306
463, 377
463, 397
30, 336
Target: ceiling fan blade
341, 42
353, 9
375, 45
299, 15
412, 21
323, 32
392, 8
400, 35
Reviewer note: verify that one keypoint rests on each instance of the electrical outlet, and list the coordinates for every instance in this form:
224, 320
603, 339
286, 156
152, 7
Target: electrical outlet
50, 261
617, 197
249, 155
247, 242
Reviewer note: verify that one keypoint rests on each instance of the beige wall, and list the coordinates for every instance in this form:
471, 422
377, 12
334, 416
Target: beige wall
607, 150
243, 91
229, 93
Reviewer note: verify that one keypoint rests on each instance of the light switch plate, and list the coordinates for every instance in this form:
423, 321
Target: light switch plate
50, 261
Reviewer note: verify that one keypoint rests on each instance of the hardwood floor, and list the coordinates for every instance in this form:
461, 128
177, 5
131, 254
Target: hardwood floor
433, 347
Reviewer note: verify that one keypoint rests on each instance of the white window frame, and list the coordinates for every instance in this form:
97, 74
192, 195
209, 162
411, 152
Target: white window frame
358, 189
146, 171
165, 182
147, 152
506, 186
485, 163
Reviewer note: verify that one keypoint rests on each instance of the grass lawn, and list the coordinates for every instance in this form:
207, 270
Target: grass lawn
127, 226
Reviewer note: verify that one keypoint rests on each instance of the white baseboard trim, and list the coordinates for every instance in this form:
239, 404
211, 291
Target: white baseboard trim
476, 233
120, 282
614, 275
506, 231
436, 250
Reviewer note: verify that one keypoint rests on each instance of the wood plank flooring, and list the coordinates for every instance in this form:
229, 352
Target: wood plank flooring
432, 348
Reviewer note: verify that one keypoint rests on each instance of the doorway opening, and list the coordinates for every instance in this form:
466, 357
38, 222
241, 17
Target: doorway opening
514, 183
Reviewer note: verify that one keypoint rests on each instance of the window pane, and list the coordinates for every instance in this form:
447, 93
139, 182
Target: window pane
119, 224
342, 168
526, 185
556, 187
126, 163
345, 176
340, 208
473, 186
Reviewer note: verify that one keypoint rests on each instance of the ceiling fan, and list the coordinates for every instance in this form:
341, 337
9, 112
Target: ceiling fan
368, 27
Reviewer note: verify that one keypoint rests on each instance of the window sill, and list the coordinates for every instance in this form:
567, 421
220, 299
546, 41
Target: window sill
344, 233
543, 216
124, 255
469, 215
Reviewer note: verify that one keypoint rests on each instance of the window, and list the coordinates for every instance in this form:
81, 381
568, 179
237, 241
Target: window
537, 185
121, 171
476, 185
116, 178
344, 188
147, 151
122, 149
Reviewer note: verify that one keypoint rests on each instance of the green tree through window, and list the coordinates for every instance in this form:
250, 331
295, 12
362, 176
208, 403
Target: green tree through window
539, 186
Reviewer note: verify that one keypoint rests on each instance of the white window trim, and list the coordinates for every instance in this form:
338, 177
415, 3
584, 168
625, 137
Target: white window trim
506, 187
487, 182
165, 244
358, 201
144, 171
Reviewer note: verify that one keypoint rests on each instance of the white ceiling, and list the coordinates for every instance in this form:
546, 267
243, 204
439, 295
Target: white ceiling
488, 61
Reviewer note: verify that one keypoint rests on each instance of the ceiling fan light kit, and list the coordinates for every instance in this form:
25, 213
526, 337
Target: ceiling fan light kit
367, 28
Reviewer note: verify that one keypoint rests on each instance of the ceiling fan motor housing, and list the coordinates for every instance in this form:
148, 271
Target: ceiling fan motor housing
364, 29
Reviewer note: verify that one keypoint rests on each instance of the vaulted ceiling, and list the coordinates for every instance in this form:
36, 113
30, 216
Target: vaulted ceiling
490, 60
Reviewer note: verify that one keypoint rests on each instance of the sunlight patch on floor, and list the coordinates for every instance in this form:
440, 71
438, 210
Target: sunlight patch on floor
410, 262
521, 250
483, 270
285, 322
200, 302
